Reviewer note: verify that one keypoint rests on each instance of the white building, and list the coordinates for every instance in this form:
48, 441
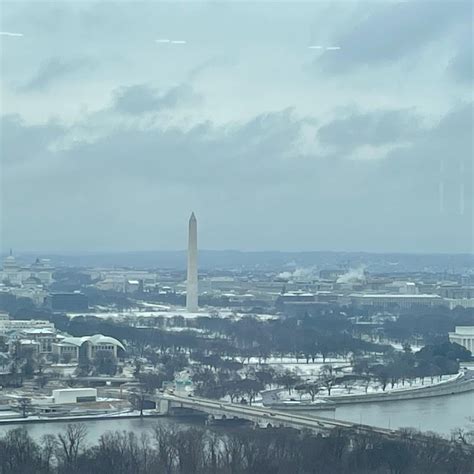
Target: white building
400, 300
11, 271
42, 270
464, 336
461, 302
36, 294
132, 286
74, 395
17, 325
14, 274
405, 287
44, 336
24, 345
126, 281
85, 347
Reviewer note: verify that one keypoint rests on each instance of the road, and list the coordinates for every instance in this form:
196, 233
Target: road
267, 416
274, 418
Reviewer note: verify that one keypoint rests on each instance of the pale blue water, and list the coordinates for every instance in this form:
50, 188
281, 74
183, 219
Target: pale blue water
441, 415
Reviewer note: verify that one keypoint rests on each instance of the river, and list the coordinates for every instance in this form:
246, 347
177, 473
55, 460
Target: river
438, 414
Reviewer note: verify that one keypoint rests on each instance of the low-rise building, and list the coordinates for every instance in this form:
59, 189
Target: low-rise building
44, 336
393, 300
85, 347
18, 325
74, 395
73, 302
27, 345
459, 302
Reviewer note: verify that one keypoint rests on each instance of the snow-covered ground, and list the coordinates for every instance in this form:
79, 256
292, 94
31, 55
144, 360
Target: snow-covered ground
11, 418
169, 312
66, 370
300, 367
359, 389
399, 347
341, 366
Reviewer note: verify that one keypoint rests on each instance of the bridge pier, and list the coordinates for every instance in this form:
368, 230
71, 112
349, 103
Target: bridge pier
164, 406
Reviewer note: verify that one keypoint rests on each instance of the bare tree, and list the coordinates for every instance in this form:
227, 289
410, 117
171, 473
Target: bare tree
71, 442
166, 447
328, 379
288, 380
41, 380
24, 404
19, 453
311, 388
137, 399
49, 445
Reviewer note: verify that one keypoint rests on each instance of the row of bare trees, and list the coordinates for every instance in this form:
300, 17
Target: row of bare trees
197, 451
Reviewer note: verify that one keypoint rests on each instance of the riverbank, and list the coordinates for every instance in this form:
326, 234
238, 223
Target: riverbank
462, 384
78, 418
437, 414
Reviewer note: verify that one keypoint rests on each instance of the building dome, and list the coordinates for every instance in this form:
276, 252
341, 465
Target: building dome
9, 263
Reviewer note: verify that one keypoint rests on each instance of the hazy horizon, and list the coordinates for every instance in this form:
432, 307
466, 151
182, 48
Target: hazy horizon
5, 252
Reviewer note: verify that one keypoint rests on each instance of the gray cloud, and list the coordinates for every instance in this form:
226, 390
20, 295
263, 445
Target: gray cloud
253, 173
208, 65
394, 30
375, 128
268, 155
462, 64
142, 98
53, 70
22, 143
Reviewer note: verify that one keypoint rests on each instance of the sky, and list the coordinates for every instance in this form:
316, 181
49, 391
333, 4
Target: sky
341, 126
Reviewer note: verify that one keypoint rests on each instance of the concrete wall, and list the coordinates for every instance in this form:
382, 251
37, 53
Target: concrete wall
449, 388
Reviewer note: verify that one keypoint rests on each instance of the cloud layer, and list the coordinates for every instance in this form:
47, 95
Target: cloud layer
109, 141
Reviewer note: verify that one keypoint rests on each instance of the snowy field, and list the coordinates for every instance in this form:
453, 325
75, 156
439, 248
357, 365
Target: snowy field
169, 312
300, 367
359, 389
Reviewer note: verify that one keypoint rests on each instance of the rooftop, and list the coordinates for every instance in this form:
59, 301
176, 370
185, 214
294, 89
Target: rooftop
94, 340
464, 330
394, 295
39, 331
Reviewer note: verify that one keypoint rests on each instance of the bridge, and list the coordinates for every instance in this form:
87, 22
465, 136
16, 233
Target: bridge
267, 417
263, 416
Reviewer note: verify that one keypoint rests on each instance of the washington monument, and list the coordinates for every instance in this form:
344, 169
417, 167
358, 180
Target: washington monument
192, 280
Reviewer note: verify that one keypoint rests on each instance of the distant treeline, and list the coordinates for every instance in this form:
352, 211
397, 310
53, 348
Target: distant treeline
428, 323
232, 259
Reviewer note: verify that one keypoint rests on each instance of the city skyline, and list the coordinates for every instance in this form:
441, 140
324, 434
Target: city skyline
320, 315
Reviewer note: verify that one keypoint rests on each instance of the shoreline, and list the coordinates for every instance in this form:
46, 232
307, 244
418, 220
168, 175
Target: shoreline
462, 384
75, 419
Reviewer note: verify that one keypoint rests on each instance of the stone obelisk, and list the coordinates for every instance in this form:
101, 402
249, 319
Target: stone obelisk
192, 280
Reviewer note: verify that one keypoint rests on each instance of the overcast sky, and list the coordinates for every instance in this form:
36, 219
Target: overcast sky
283, 126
